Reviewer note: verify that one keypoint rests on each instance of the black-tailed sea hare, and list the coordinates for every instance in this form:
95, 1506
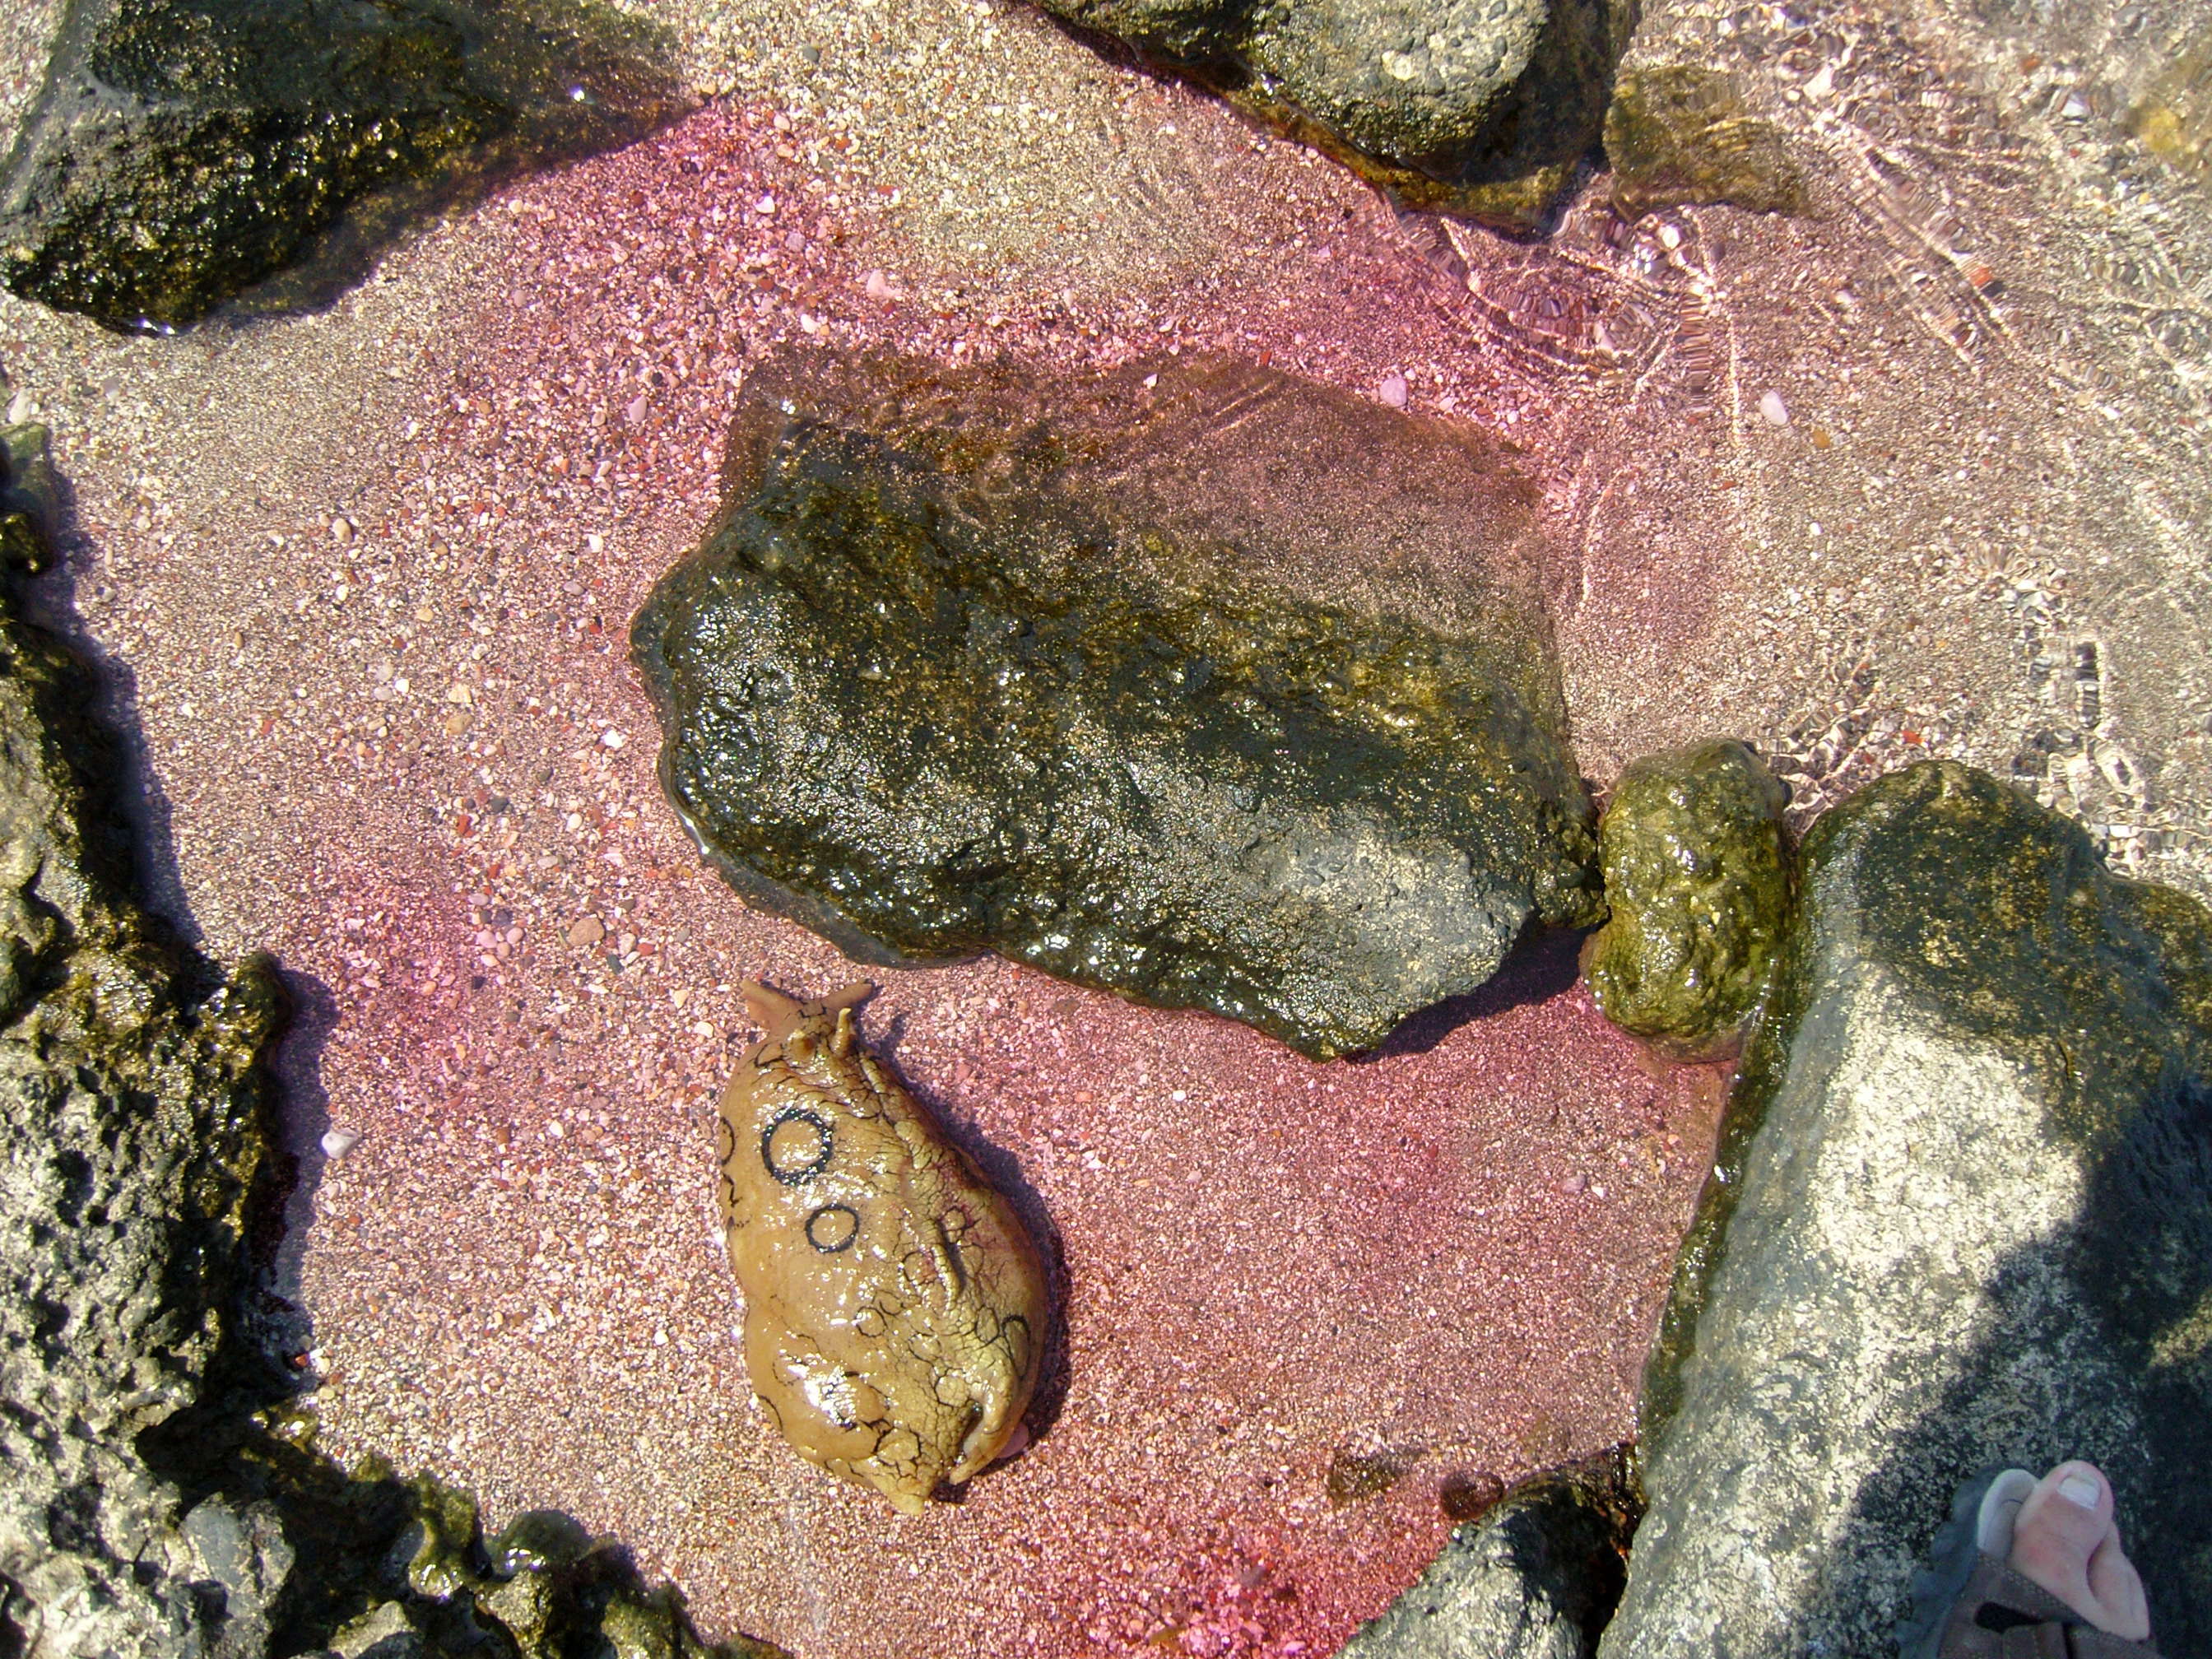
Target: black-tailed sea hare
895, 1306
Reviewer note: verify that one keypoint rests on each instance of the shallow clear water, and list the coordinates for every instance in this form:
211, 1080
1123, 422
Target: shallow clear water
1918, 471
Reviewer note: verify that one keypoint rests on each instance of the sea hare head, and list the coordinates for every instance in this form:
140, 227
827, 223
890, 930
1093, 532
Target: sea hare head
894, 1307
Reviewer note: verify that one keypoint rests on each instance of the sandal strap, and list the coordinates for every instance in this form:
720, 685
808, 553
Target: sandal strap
2056, 1631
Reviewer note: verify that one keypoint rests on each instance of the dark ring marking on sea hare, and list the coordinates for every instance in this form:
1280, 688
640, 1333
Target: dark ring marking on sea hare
833, 1228
798, 1175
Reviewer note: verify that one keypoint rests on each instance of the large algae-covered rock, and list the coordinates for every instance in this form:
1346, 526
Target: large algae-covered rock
184, 150
1482, 107
1963, 1217
1697, 880
1196, 683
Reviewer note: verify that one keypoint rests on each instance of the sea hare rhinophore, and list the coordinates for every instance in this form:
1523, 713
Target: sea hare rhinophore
894, 1307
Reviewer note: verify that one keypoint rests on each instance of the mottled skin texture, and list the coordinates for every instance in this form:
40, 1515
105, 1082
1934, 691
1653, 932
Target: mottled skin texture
894, 1307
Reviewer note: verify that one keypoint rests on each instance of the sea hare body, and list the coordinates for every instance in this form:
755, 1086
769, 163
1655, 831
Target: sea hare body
1192, 682
894, 1307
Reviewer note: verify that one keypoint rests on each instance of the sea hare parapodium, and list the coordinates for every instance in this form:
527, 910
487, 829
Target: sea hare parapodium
894, 1307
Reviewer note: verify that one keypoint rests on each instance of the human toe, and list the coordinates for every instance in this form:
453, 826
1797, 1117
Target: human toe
2065, 1540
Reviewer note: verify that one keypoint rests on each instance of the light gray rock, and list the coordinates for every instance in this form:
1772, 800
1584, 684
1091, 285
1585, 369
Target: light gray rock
1963, 1217
1533, 1579
1483, 107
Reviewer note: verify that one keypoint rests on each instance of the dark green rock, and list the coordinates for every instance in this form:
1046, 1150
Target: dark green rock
1962, 1216
161, 1494
1680, 134
1535, 1577
1697, 880
1196, 683
183, 151
1483, 108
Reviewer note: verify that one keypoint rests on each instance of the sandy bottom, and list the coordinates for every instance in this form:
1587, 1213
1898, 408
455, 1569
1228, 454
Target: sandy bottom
1860, 487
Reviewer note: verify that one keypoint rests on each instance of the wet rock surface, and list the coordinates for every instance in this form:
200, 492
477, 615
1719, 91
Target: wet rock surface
1679, 133
1697, 879
184, 150
130, 1131
160, 1494
1483, 107
1535, 1577
1963, 1218
1101, 689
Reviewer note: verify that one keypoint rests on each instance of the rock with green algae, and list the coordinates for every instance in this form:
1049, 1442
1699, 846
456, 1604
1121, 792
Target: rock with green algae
1483, 108
1192, 682
160, 1494
1681, 133
1961, 1216
1697, 878
183, 151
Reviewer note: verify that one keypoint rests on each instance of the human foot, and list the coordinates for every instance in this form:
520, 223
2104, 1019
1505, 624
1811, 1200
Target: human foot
2066, 1539
2026, 1566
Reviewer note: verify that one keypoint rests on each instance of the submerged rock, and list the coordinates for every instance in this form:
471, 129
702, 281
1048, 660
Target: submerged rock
1963, 1218
1678, 133
1535, 1577
894, 1307
161, 1495
1481, 107
1697, 879
184, 150
1207, 686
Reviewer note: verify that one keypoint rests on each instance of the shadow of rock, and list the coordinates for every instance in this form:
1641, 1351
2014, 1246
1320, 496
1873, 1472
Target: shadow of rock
1545, 965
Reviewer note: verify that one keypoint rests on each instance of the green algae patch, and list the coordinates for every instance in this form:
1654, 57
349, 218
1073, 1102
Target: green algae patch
1196, 683
185, 151
1697, 877
1679, 135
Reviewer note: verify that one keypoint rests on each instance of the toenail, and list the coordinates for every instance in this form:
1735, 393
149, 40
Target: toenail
2079, 1490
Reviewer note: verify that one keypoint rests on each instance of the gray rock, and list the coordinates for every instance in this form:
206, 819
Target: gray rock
184, 150
1963, 1217
1479, 106
133, 1135
1535, 1578
1070, 671
129, 1130
245, 1554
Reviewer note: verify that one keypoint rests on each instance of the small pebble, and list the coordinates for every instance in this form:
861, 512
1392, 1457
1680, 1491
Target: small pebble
586, 931
337, 1143
1393, 390
1573, 1184
1772, 406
